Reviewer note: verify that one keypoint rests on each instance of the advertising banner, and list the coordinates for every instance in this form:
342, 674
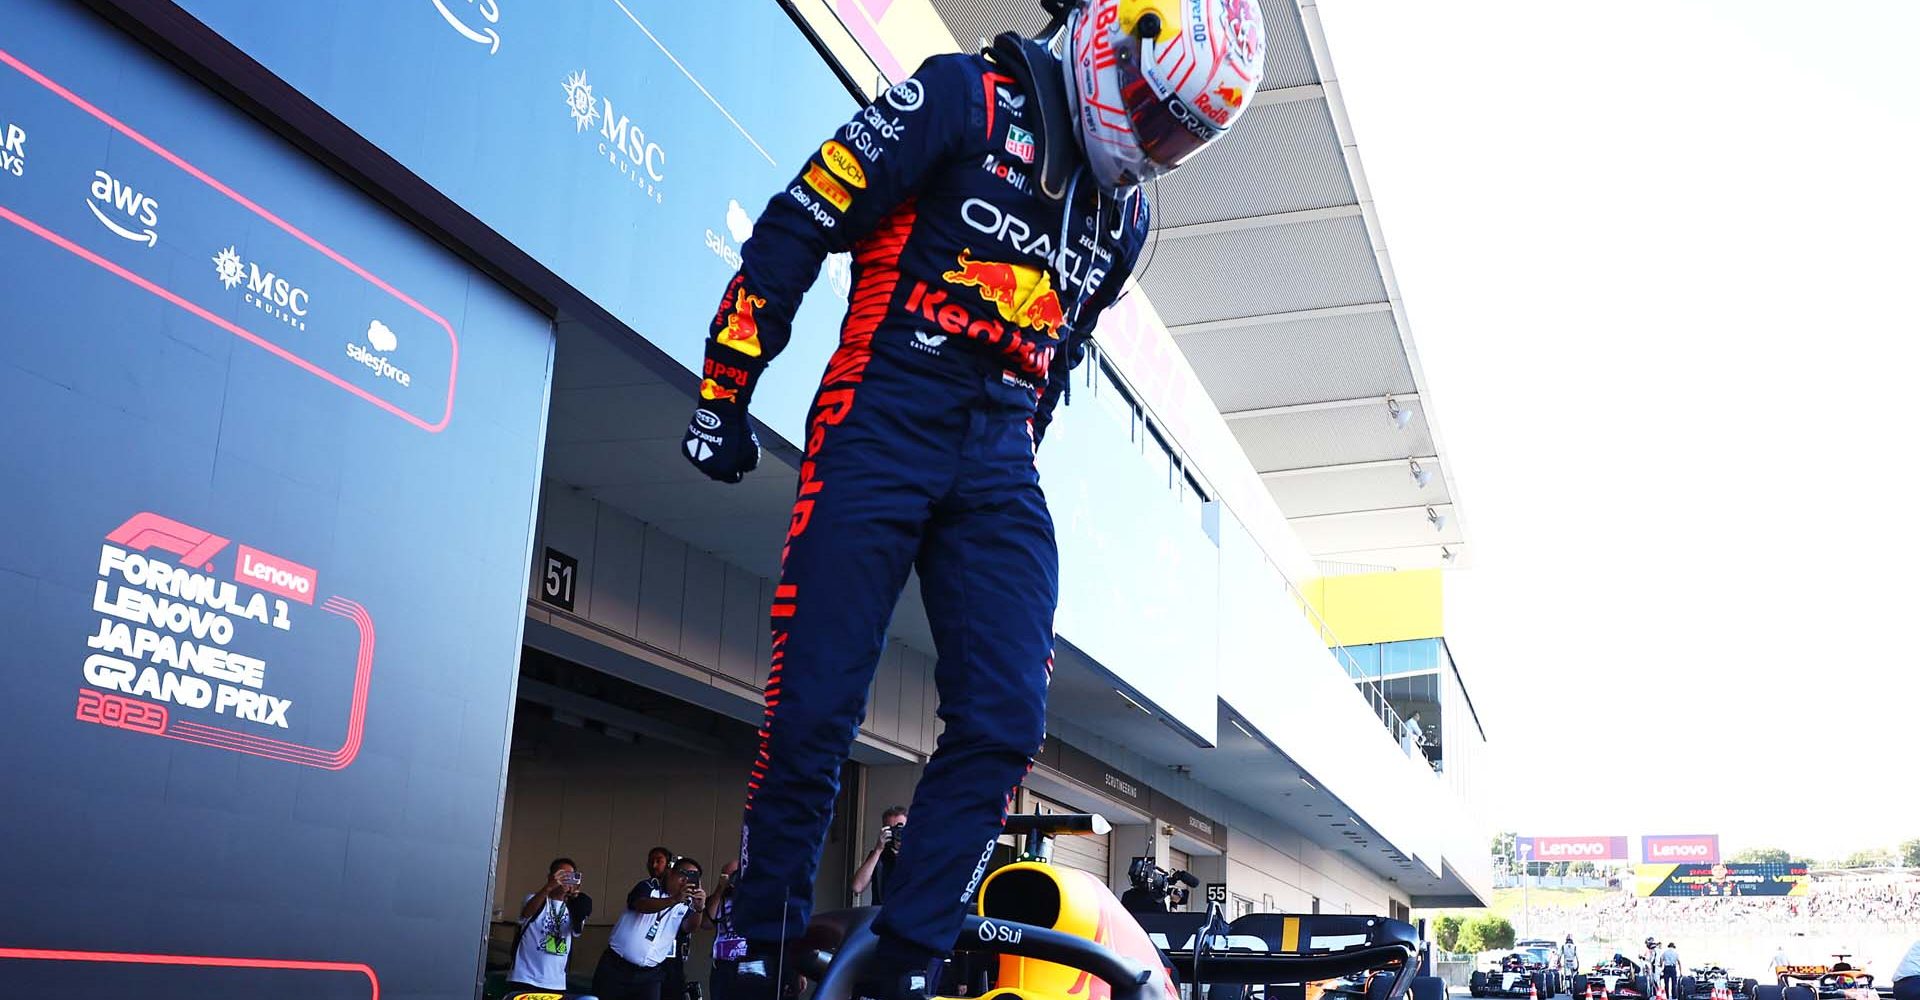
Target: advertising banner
1549, 849
626, 145
1727, 879
269, 474
1697, 848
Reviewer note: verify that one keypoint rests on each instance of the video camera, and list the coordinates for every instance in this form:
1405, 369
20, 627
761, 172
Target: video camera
1157, 881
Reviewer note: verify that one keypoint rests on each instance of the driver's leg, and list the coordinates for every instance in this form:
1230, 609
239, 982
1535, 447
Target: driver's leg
873, 470
989, 575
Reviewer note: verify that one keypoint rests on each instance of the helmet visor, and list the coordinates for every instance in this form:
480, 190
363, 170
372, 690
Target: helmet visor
1168, 130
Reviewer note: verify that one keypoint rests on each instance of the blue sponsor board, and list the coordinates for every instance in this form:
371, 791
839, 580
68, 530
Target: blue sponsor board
626, 145
270, 467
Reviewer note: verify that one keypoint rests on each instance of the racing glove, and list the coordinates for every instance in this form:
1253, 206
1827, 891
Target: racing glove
720, 441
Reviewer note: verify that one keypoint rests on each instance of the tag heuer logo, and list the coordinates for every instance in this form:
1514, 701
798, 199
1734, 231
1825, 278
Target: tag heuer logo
1020, 143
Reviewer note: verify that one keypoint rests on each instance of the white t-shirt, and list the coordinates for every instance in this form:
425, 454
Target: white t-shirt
545, 945
647, 938
1910, 965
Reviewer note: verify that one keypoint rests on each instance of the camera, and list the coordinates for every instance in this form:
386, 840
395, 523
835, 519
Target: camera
1155, 880
569, 878
894, 832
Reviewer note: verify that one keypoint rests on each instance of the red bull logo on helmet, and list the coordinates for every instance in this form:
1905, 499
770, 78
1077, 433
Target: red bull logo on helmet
1022, 294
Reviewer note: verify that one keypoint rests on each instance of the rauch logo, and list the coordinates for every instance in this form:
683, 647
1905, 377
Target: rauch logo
266, 291
623, 143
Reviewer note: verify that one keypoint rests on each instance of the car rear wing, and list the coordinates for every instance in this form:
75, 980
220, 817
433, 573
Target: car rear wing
1285, 951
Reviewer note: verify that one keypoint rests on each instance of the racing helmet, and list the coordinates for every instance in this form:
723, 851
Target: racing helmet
1152, 82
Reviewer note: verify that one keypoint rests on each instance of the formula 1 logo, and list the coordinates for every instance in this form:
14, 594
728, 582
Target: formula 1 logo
190, 646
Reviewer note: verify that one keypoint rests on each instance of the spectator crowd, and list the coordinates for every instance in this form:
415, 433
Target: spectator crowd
1831, 904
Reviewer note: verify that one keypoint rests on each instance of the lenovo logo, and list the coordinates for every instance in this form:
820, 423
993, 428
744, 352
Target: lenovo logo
1572, 848
1699, 848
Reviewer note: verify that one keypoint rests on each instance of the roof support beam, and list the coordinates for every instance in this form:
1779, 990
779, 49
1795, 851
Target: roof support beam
1314, 470
1330, 404
1288, 95
1259, 222
1422, 507
1268, 319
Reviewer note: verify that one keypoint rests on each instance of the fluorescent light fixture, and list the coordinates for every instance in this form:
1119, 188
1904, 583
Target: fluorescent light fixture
1400, 416
1130, 701
1309, 784
1244, 731
1420, 476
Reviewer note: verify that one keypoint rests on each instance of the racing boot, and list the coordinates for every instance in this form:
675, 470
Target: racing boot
767, 972
899, 971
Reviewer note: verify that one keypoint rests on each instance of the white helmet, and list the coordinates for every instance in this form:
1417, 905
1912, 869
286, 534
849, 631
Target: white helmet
1153, 81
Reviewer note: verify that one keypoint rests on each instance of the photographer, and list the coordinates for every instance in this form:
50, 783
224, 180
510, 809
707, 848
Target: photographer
877, 870
550, 920
643, 943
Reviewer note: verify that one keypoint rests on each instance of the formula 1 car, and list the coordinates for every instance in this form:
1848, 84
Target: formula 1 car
1052, 929
1839, 981
1713, 982
1515, 974
1618, 978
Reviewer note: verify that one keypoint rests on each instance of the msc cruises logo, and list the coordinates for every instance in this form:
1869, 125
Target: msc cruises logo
623, 142
580, 102
266, 291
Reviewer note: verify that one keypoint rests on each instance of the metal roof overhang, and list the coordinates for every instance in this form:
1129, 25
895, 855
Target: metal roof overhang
1269, 266
1254, 773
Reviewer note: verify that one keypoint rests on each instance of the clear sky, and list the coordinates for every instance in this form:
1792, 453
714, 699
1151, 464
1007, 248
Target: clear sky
1660, 264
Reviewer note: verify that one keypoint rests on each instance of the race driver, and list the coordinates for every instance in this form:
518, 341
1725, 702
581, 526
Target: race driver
992, 206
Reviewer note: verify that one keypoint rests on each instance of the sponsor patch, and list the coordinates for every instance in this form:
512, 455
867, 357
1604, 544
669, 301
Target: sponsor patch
844, 165
1020, 143
826, 187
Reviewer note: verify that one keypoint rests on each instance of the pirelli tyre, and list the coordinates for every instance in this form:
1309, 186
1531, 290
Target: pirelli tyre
1799, 993
1747, 986
1687, 984
1769, 992
1644, 984
1428, 988
1540, 985
1477, 985
1579, 986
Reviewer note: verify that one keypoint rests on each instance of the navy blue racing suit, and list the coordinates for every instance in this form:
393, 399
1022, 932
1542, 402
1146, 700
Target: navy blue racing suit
972, 294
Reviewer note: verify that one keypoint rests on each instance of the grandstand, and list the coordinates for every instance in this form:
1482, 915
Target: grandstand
1873, 915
